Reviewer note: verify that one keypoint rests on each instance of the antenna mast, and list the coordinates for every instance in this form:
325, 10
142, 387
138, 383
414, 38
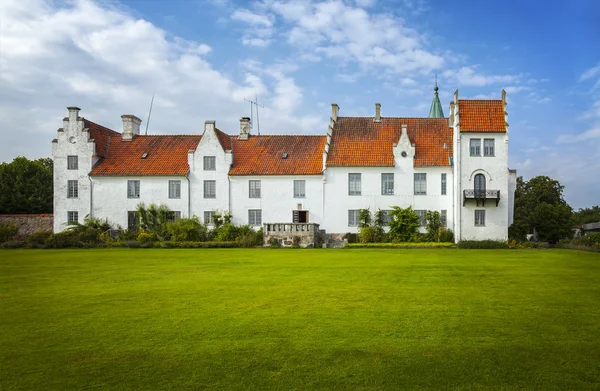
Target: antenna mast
253, 104
149, 113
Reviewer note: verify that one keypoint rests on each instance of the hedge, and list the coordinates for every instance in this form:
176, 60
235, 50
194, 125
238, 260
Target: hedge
399, 245
482, 244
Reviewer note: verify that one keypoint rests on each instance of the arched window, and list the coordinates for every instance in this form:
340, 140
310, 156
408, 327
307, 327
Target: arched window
479, 185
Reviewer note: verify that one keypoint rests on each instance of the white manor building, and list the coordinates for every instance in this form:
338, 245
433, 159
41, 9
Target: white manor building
457, 166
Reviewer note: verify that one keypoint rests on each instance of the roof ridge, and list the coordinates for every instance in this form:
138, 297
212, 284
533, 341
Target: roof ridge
101, 126
383, 117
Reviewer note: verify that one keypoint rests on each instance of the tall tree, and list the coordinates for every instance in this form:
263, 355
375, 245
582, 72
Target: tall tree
539, 205
26, 186
587, 215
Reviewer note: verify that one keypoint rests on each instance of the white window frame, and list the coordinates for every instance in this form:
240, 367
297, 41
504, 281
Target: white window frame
354, 184
73, 188
422, 220
475, 147
72, 162
254, 188
173, 216
255, 217
299, 188
209, 163
387, 184
174, 189
386, 217
489, 147
352, 217
479, 217
72, 216
208, 217
420, 184
444, 184
210, 189
136, 216
133, 188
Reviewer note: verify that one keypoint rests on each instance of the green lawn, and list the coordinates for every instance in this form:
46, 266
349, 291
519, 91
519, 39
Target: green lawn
186, 319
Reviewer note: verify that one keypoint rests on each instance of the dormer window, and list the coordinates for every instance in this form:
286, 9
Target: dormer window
284, 156
144, 155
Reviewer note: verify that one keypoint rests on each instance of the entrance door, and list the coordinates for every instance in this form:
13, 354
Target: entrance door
300, 216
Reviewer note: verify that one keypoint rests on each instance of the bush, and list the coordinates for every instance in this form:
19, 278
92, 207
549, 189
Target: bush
296, 242
37, 239
351, 237
63, 239
145, 237
187, 230
225, 233
446, 235
399, 245
274, 243
247, 237
404, 225
526, 244
482, 244
7, 231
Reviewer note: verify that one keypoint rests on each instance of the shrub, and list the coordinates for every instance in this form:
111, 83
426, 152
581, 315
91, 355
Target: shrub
7, 231
247, 237
399, 245
63, 239
434, 224
187, 230
274, 243
37, 239
351, 237
482, 244
145, 237
226, 233
296, 242
446, 236
404, 224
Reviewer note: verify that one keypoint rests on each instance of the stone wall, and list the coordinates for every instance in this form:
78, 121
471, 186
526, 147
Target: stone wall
29, 223
308, 234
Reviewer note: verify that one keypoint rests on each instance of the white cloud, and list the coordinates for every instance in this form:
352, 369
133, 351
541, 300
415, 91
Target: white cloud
590, 73
260, 27
576, 138
468, 76
107, 62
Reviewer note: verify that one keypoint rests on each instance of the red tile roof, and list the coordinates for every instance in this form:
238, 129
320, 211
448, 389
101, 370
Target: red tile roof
481, 116
224, 140
100, 134
167, 155
359, 141
263, 155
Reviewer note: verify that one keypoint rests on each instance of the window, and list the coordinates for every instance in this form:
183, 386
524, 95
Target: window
479, 185
72, 189
173, 216
475, 147
299, 189
133, 220
354, 184
421, 214
353, 218
208, 217
488, 147
444, 218
72, 217
386, 217
480, 218
72, 163
444, 184
254, 217
254, 189
133, 189
210, 163
387, 184
420, 184
210, 189
174, 189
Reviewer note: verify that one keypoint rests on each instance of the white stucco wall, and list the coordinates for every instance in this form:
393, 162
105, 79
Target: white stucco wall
72, 139
277, 200
512, 187
495, 170
110, 196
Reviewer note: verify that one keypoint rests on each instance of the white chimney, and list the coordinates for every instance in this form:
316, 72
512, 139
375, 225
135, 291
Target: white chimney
244, 128
210, 126
377, 112
73, 113
131, 127
335, 109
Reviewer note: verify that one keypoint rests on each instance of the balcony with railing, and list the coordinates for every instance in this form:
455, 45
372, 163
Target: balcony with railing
481, 196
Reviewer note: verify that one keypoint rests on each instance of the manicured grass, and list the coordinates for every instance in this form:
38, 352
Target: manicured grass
356, 319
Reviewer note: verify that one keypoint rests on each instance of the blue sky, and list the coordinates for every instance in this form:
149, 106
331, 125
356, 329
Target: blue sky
202, 58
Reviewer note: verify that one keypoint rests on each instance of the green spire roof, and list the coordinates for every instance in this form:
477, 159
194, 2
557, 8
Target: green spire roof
436, 107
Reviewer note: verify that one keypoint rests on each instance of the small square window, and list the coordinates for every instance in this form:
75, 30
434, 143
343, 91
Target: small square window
133, 189
420, 184
210, 189
254, 217
174, 189
254, 188
353, 218
488, 147
72, 162
208, 217
72, 217
480, 217
387, 184
299, 189
210, 163
354, 184
72, 189
475, 147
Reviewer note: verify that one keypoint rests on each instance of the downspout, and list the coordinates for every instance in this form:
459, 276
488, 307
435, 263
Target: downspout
187, 176
91, 197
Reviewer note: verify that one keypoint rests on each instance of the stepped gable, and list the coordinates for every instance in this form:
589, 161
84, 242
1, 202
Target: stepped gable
166, 155
360, 141
481, 116
278, 155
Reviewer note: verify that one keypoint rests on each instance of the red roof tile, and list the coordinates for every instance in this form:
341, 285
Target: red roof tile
481, 116
167, 155
359, 141
263, 155
100, 134
224, 140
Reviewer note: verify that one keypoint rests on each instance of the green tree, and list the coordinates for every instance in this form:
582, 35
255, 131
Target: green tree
587, 215
434, 223
404, 224
26, 186
539, 205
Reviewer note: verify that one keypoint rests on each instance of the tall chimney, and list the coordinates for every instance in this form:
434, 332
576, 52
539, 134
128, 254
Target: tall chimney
377, 112
131, 127
244, 128
73, 113
335, 109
